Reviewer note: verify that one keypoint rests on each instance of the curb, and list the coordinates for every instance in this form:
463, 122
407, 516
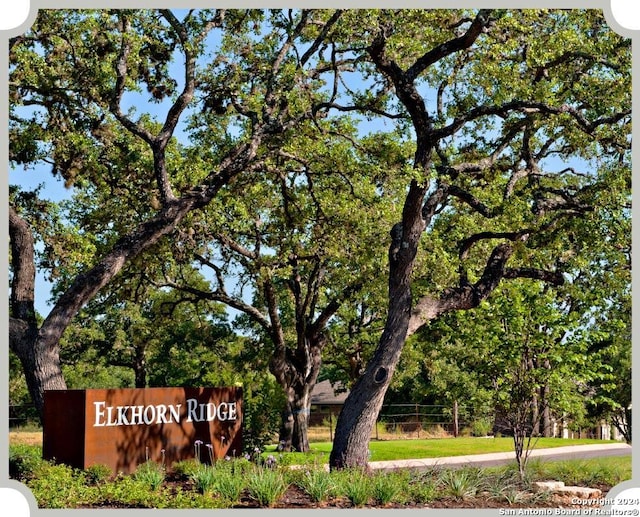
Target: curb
495, 457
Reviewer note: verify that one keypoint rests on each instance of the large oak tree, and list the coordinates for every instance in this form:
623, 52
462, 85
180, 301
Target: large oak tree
96, 96
517, 117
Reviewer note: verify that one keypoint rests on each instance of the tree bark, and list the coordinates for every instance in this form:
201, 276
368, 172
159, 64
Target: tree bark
297, 371
295, 420
360, 411
40, 362
455, 419
140, 366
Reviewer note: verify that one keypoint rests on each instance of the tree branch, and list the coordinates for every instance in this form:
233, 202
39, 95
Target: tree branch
480, 22
121, 76
464, 297
550, 277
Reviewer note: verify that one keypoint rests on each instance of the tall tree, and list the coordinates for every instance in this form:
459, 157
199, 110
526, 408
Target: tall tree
289, 252
513, 115
80, 83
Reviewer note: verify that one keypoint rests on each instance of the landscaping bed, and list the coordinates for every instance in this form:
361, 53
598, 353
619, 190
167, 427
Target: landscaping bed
241, 483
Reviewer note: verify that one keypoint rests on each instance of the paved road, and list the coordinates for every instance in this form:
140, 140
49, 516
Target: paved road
501, 458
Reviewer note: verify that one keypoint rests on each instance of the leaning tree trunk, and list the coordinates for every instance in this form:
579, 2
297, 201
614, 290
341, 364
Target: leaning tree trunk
38, 349
41, 366
360, 410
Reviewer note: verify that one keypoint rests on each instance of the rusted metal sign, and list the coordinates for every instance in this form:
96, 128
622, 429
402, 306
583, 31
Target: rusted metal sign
123, 428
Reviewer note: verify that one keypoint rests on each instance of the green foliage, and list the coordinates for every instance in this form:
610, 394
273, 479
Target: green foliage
203, 478
97, 474
184, 469
317, 483
357, 486
151, 474
389, 488
587, 472
529, 126
59, 486
481, 427
266, 485
230, 480
25, 461
461, 483
422, 488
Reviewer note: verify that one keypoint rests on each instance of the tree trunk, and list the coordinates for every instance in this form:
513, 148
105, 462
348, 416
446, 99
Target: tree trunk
140, 366
535, 415
41, 366
295, 420
547, 426
297, 372
360, 410
39, 359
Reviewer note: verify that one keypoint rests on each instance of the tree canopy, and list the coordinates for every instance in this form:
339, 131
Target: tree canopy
298, 154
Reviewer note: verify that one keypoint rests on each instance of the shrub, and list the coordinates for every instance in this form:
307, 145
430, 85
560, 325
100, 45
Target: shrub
203, 478
60, 486
317, 483
422, 488
356, 486
481, 427
229, 484
24, 461
266, 486
184, 469
150, 473
387, 487
131, 492
461, 483
96, 474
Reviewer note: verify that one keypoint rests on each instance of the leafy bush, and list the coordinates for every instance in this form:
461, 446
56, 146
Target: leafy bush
461, 483
422, 489
130, 492
356, 485
203, 478
184, 469
229, 484
481, 427
60, 486
96, 474
388, 486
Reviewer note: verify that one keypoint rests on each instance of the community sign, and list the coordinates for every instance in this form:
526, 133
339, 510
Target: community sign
123, 428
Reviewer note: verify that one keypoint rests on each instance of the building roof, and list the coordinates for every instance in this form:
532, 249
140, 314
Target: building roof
326, 394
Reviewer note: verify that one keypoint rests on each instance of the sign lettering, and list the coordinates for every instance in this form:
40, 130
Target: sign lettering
122, 428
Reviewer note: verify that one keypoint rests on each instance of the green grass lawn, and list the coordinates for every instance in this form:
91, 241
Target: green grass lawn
429, 448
